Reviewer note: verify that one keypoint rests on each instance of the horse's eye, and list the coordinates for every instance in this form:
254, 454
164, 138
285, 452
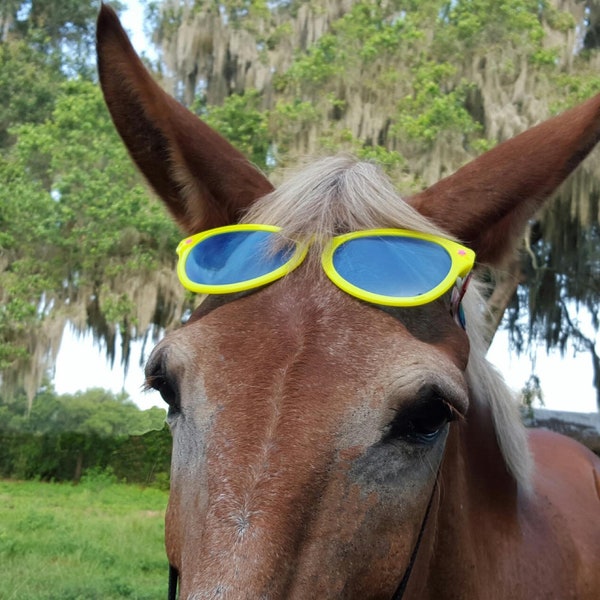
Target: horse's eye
166, 387
168, 393
421, 425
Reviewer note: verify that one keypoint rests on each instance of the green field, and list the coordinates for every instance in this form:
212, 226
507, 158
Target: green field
94, 541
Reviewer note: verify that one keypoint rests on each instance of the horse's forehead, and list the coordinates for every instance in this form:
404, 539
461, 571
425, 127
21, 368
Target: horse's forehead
307, 320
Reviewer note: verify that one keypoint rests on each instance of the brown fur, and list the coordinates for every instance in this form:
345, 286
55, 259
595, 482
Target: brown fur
288, 480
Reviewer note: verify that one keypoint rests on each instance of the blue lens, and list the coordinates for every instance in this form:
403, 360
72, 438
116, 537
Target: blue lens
234, 257
392, 266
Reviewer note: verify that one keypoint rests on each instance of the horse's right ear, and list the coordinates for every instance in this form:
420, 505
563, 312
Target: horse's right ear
203, 180
486, 203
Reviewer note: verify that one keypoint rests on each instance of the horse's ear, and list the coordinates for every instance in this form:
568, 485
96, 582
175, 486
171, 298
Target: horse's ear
203, 180
487, 203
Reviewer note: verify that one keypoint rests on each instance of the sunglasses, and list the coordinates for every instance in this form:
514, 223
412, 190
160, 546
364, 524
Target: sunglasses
391, 267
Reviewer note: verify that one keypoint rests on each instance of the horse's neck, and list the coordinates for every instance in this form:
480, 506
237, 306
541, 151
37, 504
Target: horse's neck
475, 498
474, 467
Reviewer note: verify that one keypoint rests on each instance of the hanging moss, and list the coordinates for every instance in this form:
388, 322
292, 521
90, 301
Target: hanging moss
427, 84
420, 86
82, 242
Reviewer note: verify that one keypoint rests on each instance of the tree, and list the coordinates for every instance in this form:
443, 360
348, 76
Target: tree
561, 298
79, 240
96, 253
60, 30
422, 86
60, 435
40, 43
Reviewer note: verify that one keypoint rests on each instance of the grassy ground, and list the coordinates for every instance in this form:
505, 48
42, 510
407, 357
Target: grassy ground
97, 540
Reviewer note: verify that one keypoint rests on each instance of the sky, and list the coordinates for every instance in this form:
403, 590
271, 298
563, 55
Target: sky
133, 21
566, 381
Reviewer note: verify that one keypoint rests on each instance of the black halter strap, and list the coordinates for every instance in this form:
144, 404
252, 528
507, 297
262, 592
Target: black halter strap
398, 594
173, 578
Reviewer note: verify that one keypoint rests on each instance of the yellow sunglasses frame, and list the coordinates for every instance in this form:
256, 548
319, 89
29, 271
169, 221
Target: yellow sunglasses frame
462, 260
185, 247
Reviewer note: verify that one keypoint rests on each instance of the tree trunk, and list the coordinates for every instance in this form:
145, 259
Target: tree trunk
78, 467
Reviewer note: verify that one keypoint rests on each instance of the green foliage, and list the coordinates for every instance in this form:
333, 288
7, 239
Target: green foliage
240, 10
289, 120
28, 84
78, 233
424, 85
62, 436
416, 53
75, 218
103, 211
98, 542
63, 30
575, 88
77, 228
241, 120
380, 51
430, 111
98, 478
318, 64
493, 22
388, 159
358, 39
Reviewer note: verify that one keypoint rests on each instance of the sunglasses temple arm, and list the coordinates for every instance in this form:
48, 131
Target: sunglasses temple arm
457, 296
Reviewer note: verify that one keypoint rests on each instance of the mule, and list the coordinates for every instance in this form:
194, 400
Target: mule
329, 447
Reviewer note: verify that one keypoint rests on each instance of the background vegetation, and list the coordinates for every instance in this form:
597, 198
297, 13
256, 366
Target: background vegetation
62, 437
421, 87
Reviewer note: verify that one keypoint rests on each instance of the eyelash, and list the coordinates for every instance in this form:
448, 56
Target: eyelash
422, 425
167, 390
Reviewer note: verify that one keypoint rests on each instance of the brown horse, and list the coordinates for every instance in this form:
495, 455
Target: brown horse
326, 447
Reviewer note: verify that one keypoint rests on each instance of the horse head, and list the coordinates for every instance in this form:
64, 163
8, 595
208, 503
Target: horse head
321, 442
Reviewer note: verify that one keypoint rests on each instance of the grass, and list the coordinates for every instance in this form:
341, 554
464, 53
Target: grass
97, 540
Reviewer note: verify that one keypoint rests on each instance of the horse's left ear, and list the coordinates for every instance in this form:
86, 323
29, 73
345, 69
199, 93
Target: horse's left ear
486, 203
203, 180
